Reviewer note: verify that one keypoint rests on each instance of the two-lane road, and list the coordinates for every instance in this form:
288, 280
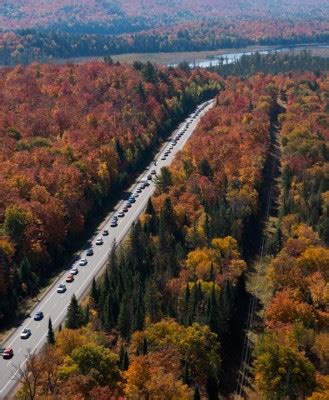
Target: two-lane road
54, 305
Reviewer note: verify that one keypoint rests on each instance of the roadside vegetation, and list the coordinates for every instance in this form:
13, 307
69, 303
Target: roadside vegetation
70, 137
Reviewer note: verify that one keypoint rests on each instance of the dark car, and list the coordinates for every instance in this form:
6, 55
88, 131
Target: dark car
8, 353
105, 232
128, 205
132, 200
38, 316
149, 177
90, 252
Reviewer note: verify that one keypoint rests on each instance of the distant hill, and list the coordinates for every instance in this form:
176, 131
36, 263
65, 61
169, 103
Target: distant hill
108, 16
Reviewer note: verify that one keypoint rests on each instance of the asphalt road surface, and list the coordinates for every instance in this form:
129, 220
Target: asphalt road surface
54, 305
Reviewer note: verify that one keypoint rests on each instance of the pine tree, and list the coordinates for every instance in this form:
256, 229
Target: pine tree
152, 302
213, 312
94, 291
138, 317
144, 346
149, 207
123, 362
50, 336
74, 316
124, 318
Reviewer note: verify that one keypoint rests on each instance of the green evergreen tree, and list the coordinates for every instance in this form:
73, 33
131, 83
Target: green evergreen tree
124, 319
164, 180
149, 207
50, 335
123, 362
213, 312
94, 291
152, 301
74, 316
144, 346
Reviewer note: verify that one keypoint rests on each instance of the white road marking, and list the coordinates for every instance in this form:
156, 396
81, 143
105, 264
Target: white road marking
131, 216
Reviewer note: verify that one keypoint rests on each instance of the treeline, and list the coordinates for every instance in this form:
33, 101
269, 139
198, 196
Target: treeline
272, 63
291, 357
172, 300
26, 46
70, 137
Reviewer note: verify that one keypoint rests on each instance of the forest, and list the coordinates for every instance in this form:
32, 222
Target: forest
271, 63
28, 45
166, 321
103, 16
71, 139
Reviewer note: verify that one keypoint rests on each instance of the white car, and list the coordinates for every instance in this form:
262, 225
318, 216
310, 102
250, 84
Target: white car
25, 334
61, 288
99, 241
83, 262
74, 271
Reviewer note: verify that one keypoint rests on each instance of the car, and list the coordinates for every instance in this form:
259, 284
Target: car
83, 262
125, 209
131, 200
113, 224
74, 271
121, 214
128, 205
90, 252
155, 163
105, 232
26, 333
153, 172
61, 288
8, 353
135, 195
167, 153
69, 278
139, 190
99, 241
149, 177
38, 316
163, 158
146, 183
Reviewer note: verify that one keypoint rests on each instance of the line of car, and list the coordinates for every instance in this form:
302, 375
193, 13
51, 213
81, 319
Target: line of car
8, 353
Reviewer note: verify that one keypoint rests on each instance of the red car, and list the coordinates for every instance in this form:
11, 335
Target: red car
69, 278
8, 353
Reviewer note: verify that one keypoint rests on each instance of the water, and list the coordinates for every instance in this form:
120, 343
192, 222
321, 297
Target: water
230, 58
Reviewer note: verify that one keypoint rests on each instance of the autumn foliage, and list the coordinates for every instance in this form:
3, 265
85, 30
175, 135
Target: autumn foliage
297, 315
69, 137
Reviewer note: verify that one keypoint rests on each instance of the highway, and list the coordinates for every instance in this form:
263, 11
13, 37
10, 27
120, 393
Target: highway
54, 305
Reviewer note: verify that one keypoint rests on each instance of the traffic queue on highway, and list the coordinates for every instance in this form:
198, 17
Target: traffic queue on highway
126, 206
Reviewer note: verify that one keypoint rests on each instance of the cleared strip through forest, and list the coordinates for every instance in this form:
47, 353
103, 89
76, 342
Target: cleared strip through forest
271, 171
